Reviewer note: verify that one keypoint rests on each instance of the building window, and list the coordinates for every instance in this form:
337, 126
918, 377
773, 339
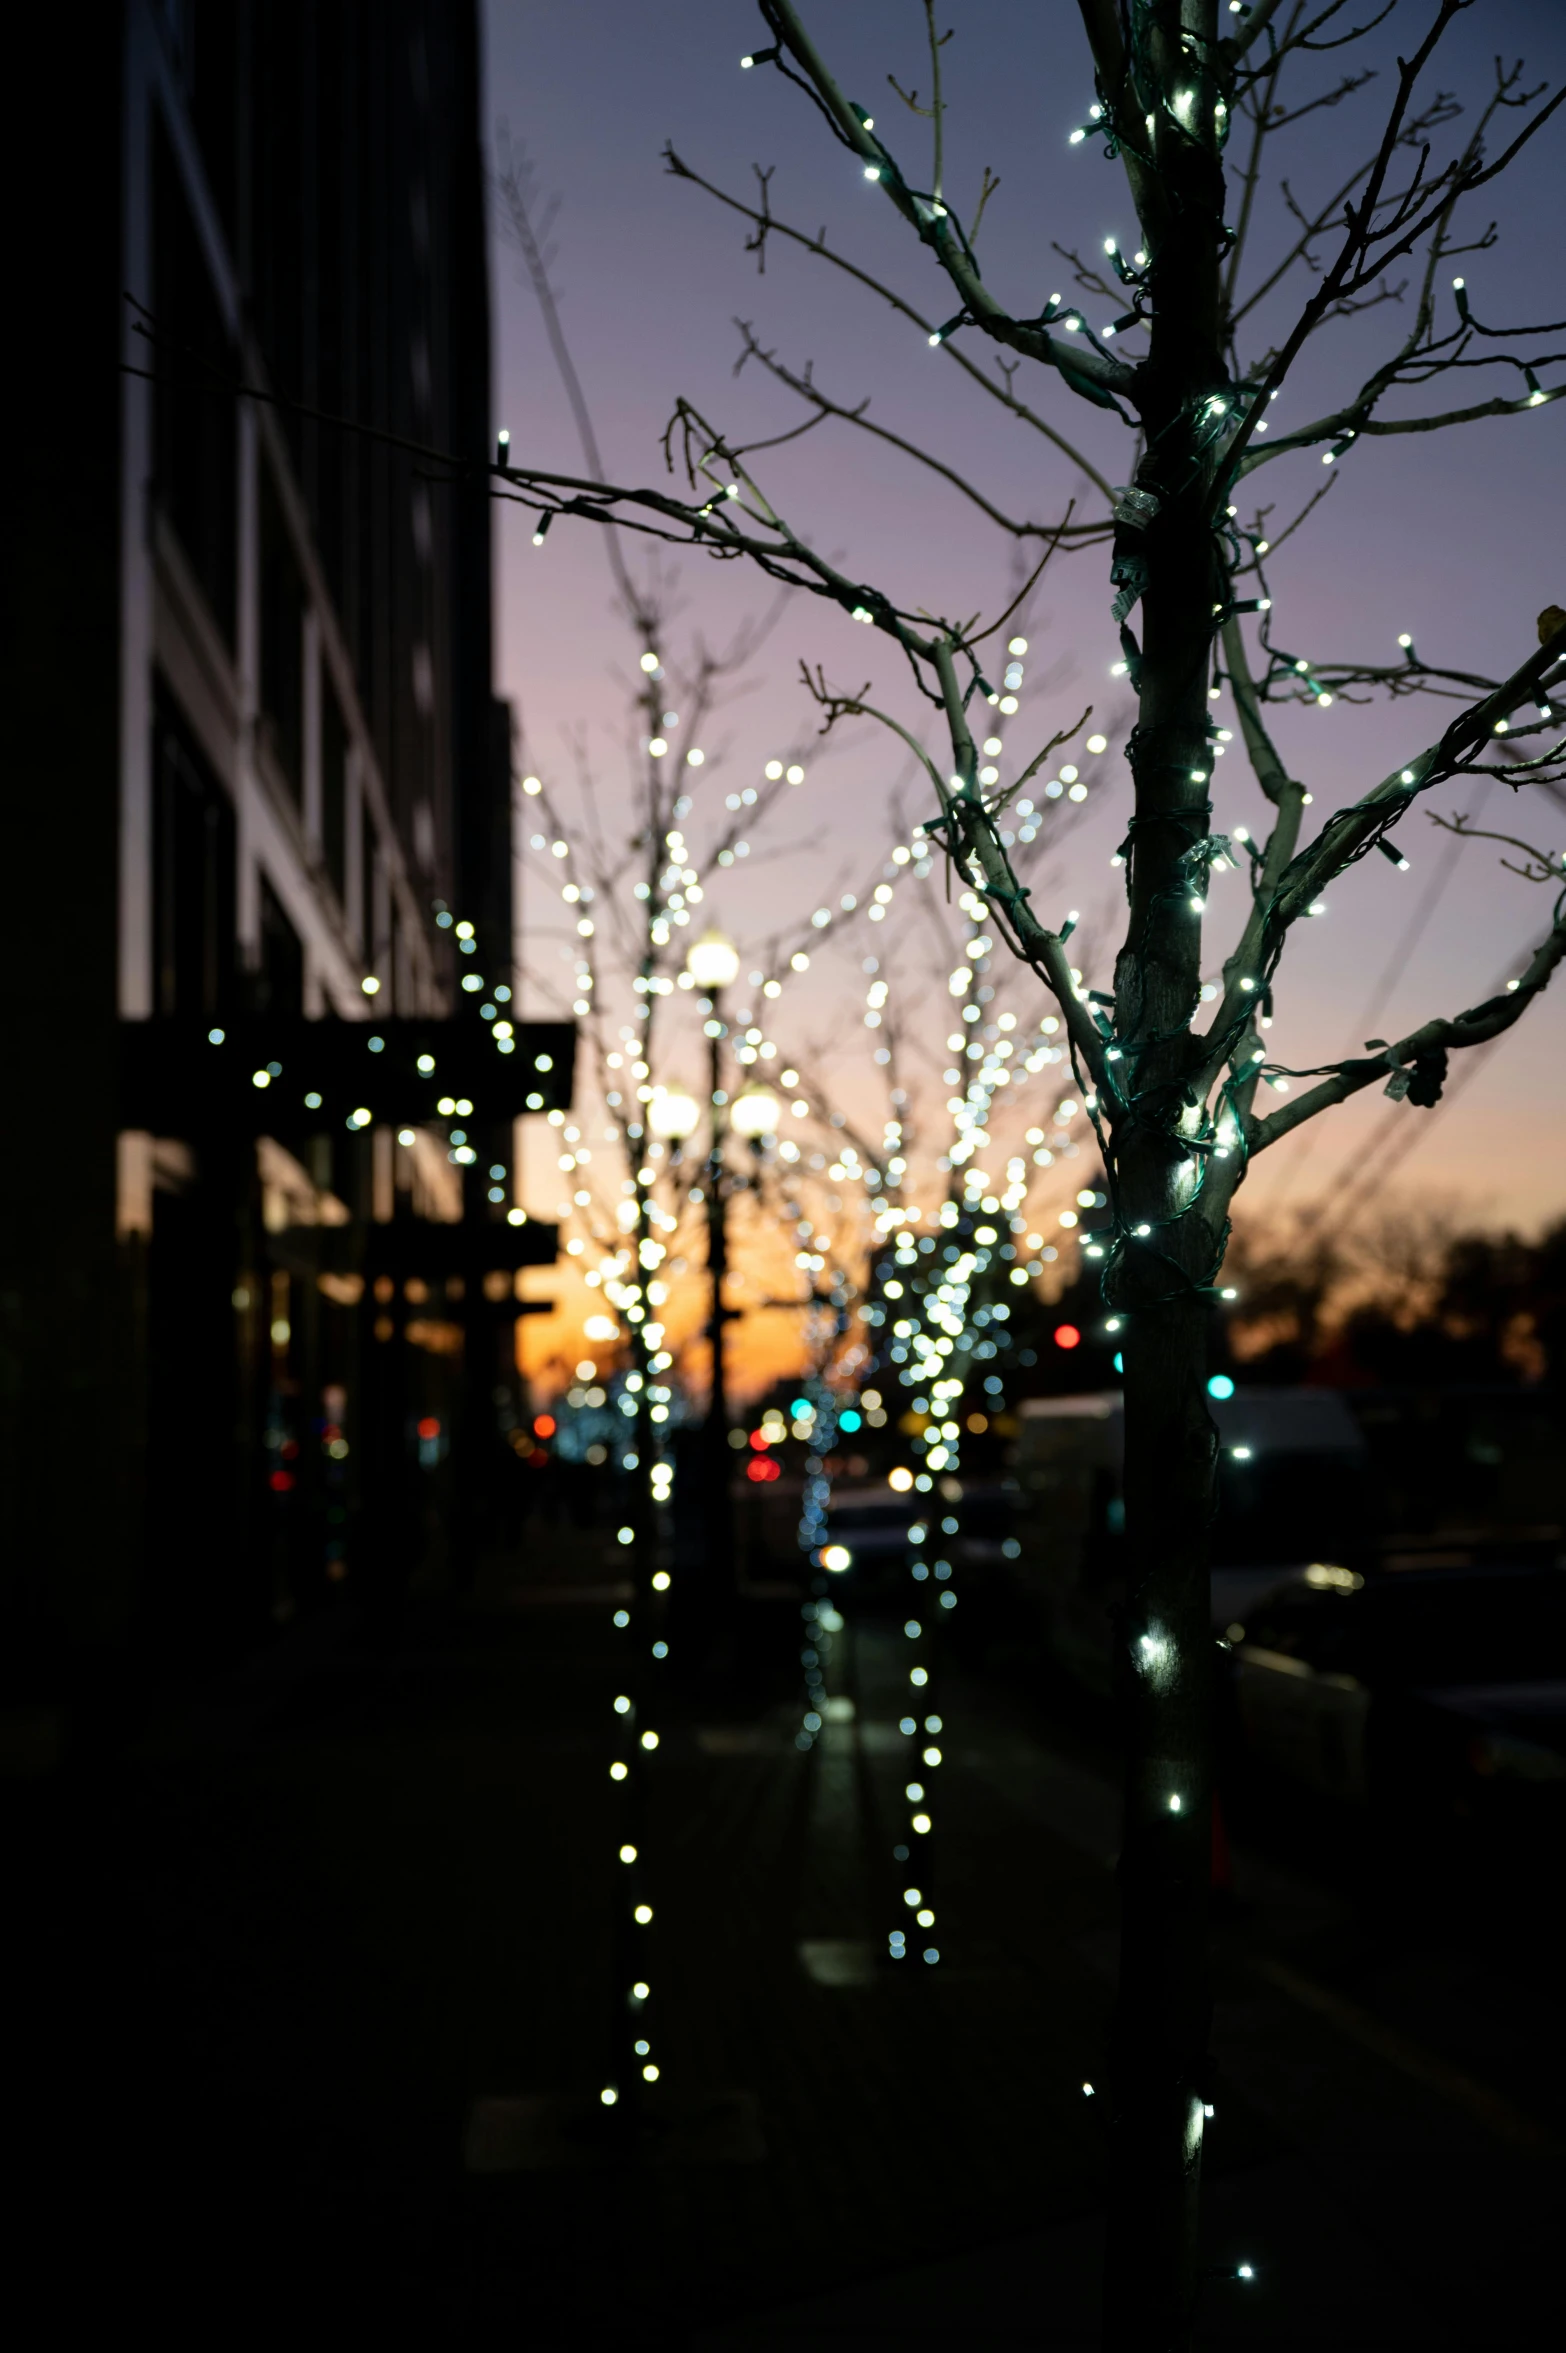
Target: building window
282, 640
195, 424
212, 42
279, 975
193, 877
334, 790
370, 883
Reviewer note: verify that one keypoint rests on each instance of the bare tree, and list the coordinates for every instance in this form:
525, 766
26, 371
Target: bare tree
1175, 1073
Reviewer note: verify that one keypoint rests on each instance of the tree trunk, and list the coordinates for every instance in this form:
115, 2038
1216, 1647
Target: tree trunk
1171, 1230
719, 1566
1158, 2075
1171, 1234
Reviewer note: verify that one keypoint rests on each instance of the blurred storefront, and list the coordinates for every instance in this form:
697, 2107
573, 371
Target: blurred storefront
259, 1292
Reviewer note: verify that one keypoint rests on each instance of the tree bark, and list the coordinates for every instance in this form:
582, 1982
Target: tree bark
719, 1566
1171, 1230
1158, 2075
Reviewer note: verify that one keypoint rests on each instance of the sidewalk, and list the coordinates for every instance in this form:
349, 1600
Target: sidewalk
269, 1958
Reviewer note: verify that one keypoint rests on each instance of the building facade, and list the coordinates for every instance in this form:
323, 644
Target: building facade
256, 775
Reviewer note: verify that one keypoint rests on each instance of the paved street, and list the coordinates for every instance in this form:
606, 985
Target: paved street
301, 1949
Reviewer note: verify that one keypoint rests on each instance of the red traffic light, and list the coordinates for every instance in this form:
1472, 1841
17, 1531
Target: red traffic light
1067, 1336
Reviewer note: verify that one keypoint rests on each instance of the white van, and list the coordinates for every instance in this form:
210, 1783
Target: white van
1293, 1489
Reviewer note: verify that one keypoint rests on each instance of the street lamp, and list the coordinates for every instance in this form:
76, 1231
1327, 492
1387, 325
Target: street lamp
672, 1114
713, 964
755, 1114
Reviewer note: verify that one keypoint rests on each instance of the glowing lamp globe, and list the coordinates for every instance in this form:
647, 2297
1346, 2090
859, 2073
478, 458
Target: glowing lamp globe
713, 962
672, 1113
755, 1113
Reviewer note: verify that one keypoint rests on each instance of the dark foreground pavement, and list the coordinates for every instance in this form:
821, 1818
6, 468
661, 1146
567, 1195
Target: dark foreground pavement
282, 1962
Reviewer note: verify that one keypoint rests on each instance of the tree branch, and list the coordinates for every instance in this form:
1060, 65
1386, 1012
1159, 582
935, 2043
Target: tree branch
1251, 29
1434, 1039
805, 387
767, 223
1087, 371
1346, 837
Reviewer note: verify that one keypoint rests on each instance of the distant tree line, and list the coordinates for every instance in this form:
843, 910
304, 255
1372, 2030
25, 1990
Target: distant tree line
1419, 1300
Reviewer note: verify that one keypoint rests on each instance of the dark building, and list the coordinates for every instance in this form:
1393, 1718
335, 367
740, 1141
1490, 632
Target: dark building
257, 789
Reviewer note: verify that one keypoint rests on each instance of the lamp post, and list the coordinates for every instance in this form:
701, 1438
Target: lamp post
713, 965
754, 1114
672, 1114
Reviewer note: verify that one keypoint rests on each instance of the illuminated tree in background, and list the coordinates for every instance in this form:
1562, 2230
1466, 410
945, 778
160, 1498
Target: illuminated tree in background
1172, 1067
935, 1305
633, 896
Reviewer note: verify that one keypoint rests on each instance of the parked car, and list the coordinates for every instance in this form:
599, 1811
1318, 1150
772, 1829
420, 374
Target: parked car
873, 1522
1432, 1692
969, 1519
1292, 1489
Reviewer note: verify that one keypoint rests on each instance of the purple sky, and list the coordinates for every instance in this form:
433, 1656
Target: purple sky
1455, 537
